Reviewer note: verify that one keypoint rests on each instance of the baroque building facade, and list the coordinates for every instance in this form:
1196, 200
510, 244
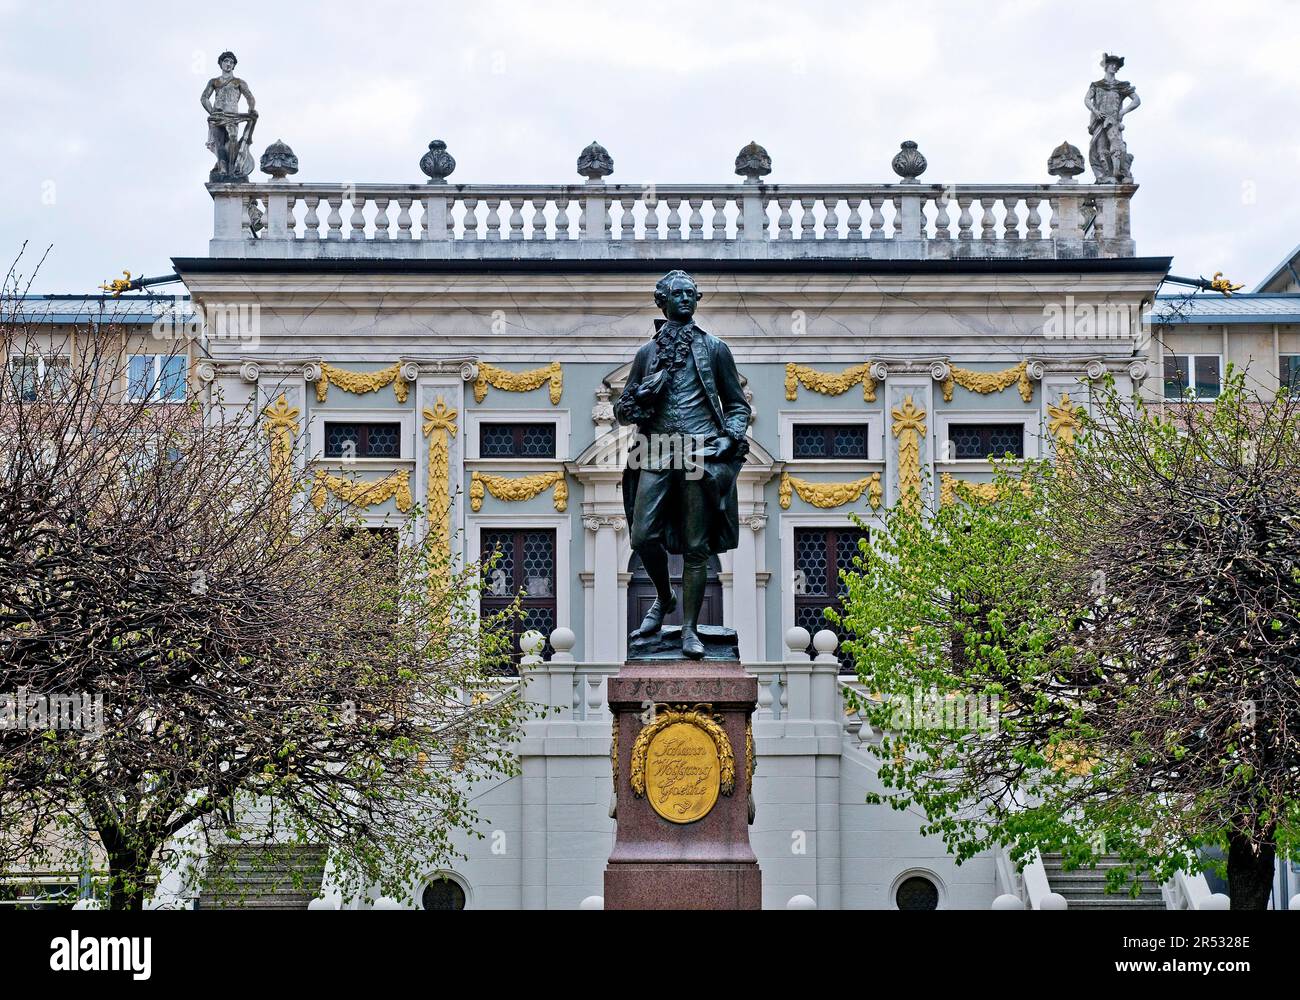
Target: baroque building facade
457, 348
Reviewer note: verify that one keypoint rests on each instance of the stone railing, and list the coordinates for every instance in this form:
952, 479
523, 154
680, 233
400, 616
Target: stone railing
907, 221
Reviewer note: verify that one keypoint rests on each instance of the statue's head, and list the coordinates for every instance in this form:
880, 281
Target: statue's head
227, 57
1112, 64
676, 295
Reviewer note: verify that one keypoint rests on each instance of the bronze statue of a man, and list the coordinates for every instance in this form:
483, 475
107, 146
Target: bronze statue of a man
679, 489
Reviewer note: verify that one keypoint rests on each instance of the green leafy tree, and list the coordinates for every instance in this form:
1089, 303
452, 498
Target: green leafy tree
1116, 641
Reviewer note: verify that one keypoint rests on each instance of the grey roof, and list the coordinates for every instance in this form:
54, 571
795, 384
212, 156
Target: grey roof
1242, 307
68, 309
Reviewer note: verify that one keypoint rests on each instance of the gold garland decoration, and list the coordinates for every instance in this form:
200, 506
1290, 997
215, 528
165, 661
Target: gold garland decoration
613, 749
989, 382
909, 427
513, 490
359, 383
830, 383
366, 493
439, 428
750, 758
499, 378
828, 495
951, 488
698, 717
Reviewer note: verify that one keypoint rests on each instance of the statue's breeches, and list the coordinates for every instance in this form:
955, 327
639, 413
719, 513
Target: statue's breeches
671, 511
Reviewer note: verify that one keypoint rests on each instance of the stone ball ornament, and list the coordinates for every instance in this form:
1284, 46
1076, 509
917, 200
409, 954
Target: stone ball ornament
1055, 901
437, 163
595, 163
908, 162
753, 162
1008, 902
278, 161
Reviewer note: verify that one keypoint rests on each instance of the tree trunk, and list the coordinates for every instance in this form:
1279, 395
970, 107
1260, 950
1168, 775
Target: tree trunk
1250, 873
127, 872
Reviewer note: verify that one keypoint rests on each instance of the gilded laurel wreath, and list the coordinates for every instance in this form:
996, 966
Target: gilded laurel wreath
698, 716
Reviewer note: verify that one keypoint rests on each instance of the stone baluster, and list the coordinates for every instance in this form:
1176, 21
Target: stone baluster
311, 221
494, 218
471, 219
831, 224
942, 224
381, 218
627, 224
404, 218
357, 221
784, 221
855, 219
808, 221
988, 224
964, 220
652, 218
334, 220
437, 217
898, 216
877, 222
1011, 219
1033, 222
697, 219
719, 218
570, 207
516, 218
539, 219
674, 219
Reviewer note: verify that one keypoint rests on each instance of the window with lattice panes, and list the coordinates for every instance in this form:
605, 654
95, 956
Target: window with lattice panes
845, 442
516, 440
363, 440
524, 566
819, 556
982, 441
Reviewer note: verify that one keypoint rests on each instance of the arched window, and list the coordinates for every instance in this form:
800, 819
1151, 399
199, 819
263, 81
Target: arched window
443, 893
916, 892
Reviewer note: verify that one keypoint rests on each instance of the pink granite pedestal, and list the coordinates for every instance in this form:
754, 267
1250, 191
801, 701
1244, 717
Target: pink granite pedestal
660, 865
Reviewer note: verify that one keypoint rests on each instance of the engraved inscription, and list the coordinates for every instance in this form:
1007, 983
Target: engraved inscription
683, 773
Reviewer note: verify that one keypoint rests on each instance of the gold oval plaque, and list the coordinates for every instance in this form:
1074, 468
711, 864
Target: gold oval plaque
683, 774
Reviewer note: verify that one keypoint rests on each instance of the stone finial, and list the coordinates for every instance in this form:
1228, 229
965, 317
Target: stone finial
279, 161
908, 162
594, 162
437, 163
1065, 163
752, 162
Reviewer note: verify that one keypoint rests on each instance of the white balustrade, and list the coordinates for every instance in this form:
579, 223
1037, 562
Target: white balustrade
910, 221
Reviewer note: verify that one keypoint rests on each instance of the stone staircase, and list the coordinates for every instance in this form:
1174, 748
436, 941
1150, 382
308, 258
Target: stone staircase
1085, 888
279, 877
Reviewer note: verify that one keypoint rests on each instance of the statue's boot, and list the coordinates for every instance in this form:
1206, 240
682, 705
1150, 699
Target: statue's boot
694, 575
654, 618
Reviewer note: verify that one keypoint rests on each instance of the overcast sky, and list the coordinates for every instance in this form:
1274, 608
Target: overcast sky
103, 151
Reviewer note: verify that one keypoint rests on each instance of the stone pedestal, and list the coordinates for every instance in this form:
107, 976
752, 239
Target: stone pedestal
694, 763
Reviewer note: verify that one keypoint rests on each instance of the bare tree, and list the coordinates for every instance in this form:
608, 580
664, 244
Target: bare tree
236, 648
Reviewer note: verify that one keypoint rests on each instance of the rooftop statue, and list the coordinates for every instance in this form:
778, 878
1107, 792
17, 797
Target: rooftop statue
679, 491
1109, 156
220, 99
